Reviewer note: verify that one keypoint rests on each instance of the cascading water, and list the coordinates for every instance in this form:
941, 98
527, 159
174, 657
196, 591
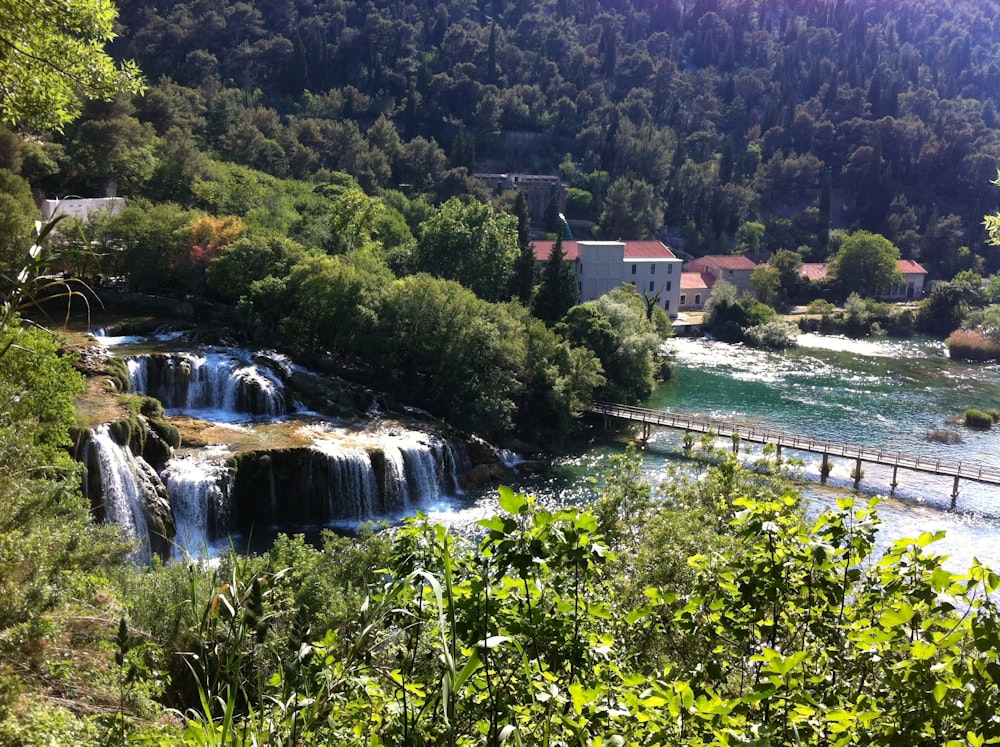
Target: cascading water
200, 496
225, 383
129, 490
302, 473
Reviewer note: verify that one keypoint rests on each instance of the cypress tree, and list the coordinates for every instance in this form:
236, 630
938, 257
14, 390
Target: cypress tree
558, 292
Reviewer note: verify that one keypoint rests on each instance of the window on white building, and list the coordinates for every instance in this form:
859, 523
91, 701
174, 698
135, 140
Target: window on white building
669, 284
650, 286
697, 299
666, 304
633, 269
652, 269
670, 269
684, 299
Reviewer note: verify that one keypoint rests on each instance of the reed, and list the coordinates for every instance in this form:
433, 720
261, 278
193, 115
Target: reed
972, 345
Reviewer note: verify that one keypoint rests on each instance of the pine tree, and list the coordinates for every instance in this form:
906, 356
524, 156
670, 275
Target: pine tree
558, 292
524, 275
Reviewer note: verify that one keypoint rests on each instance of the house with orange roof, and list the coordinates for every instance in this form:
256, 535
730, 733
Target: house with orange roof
914, 278
600, 266
695, 288
735, 269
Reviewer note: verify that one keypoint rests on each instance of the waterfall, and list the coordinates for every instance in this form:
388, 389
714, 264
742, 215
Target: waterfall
129, 489
422, 466
343, 477
229, 382
340, 485
200, 492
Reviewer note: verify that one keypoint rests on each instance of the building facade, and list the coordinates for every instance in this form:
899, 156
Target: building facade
600, 266
732, 268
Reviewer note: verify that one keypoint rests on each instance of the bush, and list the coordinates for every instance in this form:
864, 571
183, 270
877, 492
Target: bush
774, 335
944, 436
978, 419
972, 345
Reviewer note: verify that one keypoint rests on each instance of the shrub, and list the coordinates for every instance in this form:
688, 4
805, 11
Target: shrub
944, 436
774, 335
978, 419
972, 345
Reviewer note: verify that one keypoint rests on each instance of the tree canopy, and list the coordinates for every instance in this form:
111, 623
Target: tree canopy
51, 58
866, 263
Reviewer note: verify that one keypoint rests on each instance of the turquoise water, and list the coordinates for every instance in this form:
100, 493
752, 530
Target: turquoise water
883, 394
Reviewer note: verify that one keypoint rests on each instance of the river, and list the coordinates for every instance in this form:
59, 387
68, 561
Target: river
878, 393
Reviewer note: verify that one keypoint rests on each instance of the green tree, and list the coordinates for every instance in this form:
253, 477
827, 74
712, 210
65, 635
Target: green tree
17, 211
471, 244
145, 243
749, 237
448, 351
523, 277
331, 302
867, 263
248, 260
558, 292
50, 61
626, 342
766, 282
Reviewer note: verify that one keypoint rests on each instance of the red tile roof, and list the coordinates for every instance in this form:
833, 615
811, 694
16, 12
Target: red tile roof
817, 270
544, 248
721, 261
633, 250
647, 250
909, 267
813, 271
696, 281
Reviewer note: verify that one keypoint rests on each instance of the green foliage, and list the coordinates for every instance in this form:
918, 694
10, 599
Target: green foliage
978, 419
548, 631
866, 263
728, 316
626, 342
558, 292
48, 64
943, 311
775, 335
17, 211
145, 243
248, 260
46, 536
471, 244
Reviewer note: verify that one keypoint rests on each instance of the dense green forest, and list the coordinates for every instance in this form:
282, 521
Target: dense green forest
697, 116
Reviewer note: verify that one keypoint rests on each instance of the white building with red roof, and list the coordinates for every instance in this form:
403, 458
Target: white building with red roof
600, 266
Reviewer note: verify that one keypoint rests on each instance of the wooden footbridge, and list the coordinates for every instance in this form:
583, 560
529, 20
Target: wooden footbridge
739, 432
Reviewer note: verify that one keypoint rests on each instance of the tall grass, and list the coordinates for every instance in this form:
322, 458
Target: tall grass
972, 345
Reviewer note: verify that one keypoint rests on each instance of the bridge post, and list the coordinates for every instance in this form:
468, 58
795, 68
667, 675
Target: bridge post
857, 474
778, 456
824, 470
954, 494
645, 432
894, 483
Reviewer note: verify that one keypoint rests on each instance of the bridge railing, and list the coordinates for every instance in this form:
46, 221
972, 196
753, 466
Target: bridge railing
749, 432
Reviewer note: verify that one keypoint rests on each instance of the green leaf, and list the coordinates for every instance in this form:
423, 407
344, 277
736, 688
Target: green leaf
511, 502
893, 618
923, 650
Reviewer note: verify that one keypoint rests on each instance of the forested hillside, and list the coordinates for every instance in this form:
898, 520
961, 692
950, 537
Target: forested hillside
696, 116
